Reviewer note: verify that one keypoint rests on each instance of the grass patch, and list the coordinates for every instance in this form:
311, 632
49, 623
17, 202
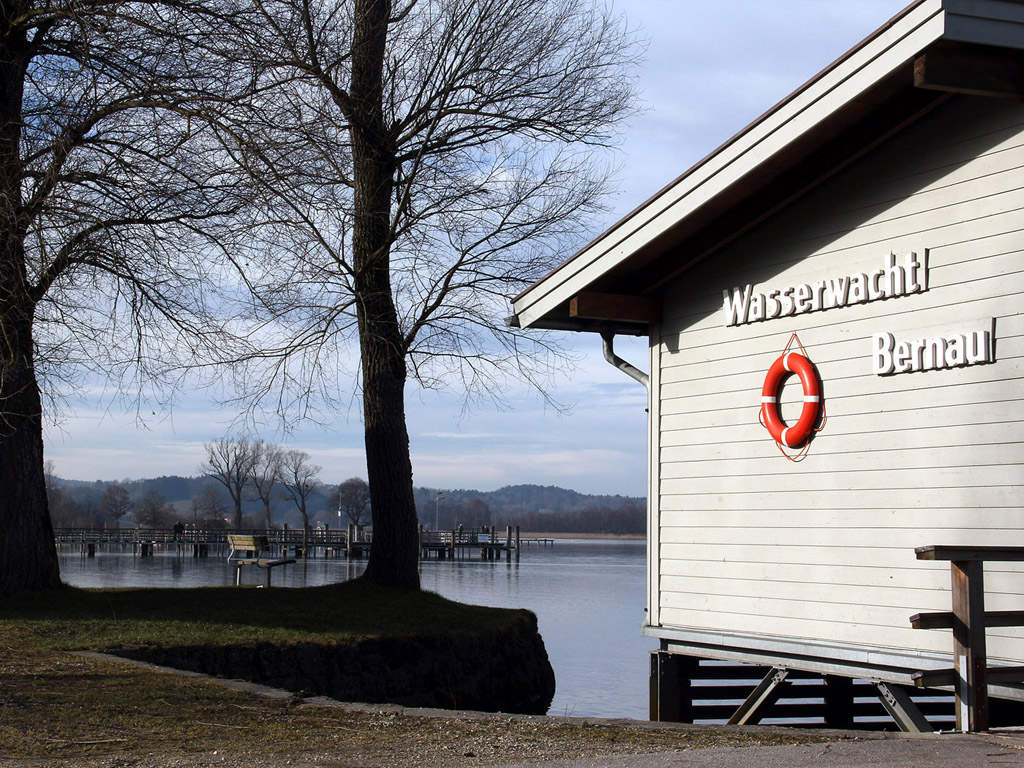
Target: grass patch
93, 619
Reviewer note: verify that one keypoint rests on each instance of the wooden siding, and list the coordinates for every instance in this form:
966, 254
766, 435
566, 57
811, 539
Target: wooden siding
747, 541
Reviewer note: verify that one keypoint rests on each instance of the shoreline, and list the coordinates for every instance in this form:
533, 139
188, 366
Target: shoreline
595, 536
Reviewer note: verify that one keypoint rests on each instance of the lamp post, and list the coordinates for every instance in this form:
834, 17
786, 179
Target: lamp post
437, 510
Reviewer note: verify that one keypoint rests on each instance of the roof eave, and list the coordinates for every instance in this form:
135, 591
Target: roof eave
790, 128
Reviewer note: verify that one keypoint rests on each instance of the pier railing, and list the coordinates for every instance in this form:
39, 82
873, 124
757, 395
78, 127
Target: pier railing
314, 542
277, 536
203, 541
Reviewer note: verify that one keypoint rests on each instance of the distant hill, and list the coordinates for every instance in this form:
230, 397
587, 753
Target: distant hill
536, 508
545, 499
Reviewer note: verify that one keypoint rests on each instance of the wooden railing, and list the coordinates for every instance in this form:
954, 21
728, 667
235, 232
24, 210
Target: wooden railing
970, 675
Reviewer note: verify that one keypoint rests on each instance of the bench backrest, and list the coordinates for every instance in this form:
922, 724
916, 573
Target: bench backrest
239, 541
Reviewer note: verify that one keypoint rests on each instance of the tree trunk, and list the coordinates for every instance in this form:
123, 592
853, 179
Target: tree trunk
28, 555
236, 513
394, 551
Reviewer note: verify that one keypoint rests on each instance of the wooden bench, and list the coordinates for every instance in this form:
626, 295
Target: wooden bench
247, 549
970, 675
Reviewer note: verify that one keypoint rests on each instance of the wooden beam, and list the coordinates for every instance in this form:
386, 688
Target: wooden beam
938, 678
991, 554
971, 71
945, 619
591, 305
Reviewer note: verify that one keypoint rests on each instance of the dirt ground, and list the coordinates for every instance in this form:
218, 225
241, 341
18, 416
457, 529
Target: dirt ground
91, 710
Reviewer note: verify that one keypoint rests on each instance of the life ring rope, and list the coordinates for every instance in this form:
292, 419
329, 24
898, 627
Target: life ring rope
812, 414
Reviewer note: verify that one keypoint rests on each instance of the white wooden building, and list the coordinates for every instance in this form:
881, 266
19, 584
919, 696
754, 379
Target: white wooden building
878, 214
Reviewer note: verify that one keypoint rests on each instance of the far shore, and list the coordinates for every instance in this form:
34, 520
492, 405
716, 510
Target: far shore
613, 536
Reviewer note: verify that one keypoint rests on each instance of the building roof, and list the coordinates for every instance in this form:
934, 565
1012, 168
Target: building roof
922, 57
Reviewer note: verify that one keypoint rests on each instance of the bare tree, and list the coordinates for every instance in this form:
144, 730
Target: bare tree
298, 477
111, 196
62, 507
153, 511
116, 502
423, 160
208, 508
266, 474
351, 498
231, 463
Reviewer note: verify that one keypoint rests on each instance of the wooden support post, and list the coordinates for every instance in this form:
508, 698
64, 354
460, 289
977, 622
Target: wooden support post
838, 698
969, 674
765, 694
671, 690
969, 653
902, 709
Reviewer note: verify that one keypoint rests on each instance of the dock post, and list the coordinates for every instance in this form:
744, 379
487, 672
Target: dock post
671, 695
519, 543
838, 698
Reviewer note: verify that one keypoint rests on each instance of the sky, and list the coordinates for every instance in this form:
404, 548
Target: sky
711, 68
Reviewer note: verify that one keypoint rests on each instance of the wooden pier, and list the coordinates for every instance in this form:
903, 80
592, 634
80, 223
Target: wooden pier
461, 544
288, 542
199, 542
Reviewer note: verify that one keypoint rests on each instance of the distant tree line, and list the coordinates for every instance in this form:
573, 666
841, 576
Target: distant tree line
285, 493
627, 520
206, 502
541, 509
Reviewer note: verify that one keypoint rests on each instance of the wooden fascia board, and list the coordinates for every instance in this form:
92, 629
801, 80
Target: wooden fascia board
615, 307
997, 73
816, 102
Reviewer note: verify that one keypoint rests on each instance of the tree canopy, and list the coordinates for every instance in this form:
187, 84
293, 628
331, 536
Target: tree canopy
379, 176
112, 203
422, 161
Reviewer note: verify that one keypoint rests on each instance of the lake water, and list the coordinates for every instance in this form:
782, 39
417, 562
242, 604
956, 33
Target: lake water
588, 596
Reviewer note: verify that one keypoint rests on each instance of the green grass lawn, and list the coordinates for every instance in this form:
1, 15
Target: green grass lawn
96, 619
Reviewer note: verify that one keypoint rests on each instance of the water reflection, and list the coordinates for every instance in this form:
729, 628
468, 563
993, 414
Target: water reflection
588, 597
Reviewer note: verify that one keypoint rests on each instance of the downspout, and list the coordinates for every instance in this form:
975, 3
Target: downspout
653, 513
608, 337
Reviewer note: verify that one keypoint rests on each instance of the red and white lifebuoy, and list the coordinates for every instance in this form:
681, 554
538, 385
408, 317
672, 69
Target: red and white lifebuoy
797, 435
